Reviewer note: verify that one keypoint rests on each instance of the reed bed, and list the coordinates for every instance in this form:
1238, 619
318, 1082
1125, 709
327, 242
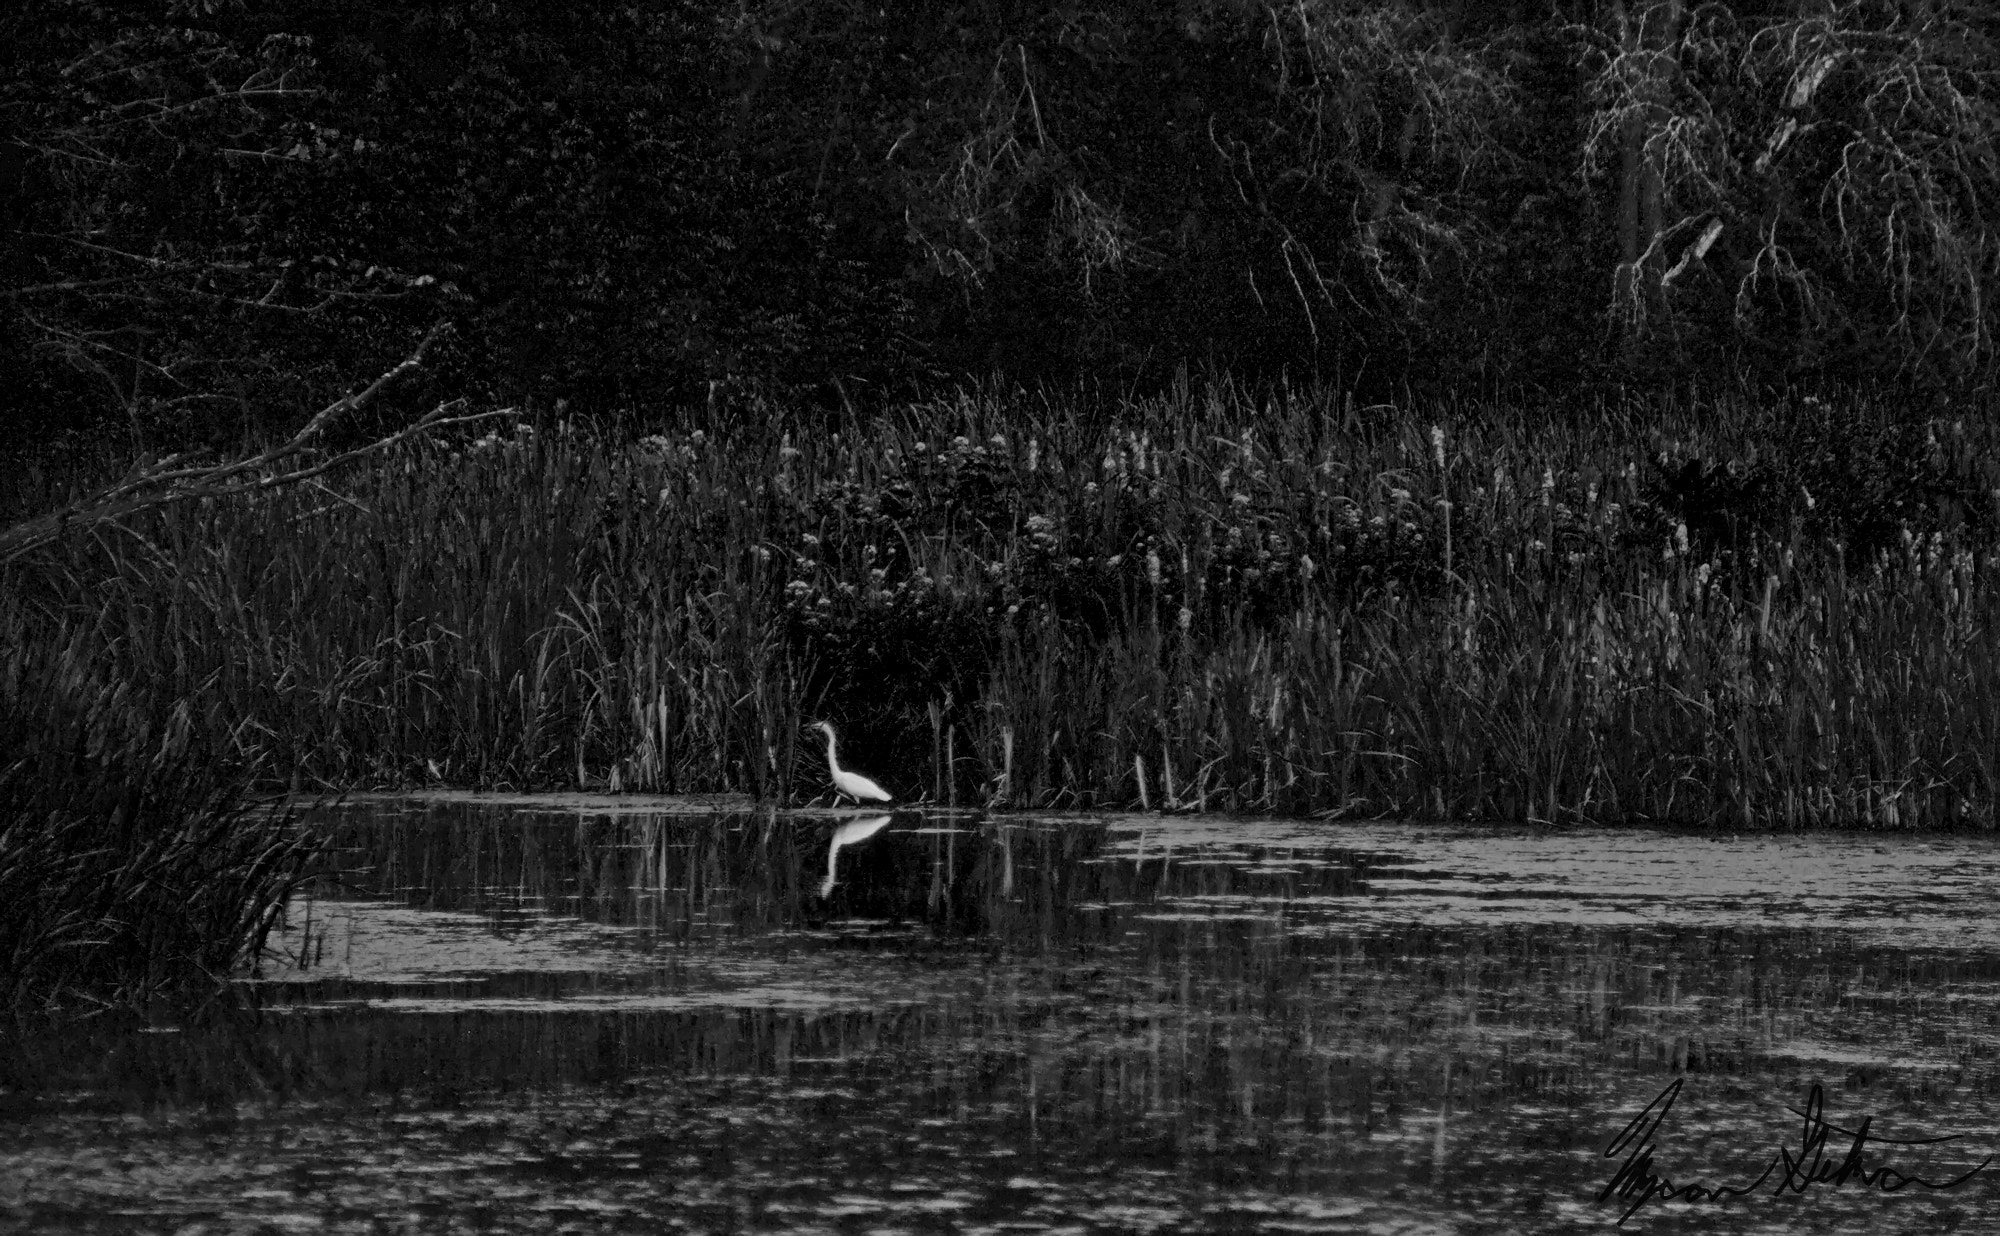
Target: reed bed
133, 867
1743, 616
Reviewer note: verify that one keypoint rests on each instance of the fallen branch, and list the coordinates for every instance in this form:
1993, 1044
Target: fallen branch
162, 482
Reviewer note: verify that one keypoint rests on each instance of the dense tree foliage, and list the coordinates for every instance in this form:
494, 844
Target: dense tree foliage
221, 212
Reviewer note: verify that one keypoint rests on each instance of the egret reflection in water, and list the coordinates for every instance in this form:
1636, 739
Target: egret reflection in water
848, 834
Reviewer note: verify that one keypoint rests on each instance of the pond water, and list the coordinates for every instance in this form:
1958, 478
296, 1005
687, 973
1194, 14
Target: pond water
610, 1016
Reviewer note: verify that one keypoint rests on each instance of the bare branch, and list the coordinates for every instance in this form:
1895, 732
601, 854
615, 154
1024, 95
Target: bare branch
163, 482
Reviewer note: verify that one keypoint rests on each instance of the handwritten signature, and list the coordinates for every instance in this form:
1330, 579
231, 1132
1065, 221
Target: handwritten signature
1636, 1183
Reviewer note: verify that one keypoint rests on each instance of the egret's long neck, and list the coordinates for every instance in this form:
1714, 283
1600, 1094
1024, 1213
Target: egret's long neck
831, 761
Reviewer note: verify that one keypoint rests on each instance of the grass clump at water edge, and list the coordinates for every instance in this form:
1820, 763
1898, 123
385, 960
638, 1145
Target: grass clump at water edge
131, 868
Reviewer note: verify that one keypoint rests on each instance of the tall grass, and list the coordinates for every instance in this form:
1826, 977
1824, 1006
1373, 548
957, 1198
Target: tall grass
1743, 616
131, 868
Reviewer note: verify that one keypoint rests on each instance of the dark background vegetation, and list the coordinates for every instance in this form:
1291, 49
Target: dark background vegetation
221, 213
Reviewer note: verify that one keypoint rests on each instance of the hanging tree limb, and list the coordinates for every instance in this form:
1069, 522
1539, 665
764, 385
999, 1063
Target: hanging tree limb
178, 478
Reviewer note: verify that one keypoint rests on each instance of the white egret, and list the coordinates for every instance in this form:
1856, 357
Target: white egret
847, 834
852, 784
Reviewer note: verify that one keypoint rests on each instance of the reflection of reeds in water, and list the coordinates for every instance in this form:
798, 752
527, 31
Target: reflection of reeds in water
1196, 602
684, 875
1178, 1004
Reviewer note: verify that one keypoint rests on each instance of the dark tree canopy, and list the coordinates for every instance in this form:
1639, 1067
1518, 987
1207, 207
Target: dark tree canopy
220, 213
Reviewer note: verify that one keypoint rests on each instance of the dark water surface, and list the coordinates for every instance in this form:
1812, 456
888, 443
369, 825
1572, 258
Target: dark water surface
595, 1017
